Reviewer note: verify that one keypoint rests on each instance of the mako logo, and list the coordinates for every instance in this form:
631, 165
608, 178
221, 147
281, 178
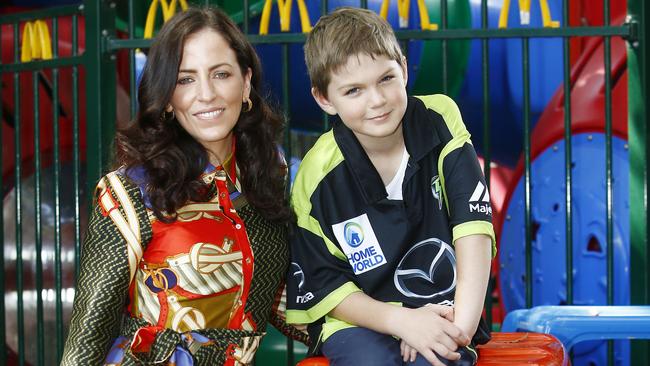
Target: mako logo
480, 200
297, 272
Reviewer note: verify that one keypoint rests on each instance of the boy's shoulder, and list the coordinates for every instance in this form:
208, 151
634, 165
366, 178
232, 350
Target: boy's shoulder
448, 110
319, 161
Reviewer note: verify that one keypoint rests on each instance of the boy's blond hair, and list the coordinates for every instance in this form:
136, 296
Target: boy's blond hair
343, 33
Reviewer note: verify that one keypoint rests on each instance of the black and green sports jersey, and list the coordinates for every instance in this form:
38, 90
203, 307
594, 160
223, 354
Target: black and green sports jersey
350, 237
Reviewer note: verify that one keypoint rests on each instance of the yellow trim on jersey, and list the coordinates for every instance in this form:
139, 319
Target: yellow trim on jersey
317, 164
323, 307
450, 113
331, 326
473, 228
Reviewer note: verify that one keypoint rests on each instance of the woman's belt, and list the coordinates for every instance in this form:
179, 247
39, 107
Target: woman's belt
154, 344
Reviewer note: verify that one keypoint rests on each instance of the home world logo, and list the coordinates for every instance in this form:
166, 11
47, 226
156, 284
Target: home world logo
480, 200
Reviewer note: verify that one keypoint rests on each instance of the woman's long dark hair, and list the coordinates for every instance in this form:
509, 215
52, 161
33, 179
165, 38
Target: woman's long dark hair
173, 160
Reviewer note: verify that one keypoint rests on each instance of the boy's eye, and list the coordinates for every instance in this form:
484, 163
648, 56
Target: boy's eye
352, 91
387, 78
185, 80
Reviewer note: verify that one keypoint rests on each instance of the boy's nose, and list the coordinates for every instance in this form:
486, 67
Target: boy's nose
377, 98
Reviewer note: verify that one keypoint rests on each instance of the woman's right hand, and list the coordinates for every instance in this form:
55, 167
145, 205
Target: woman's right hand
430, 329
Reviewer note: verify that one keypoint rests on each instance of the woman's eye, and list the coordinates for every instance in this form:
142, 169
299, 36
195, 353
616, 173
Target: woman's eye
183, 81
221, 75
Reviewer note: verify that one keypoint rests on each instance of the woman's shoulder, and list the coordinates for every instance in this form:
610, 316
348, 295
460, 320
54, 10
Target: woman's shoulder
131, 182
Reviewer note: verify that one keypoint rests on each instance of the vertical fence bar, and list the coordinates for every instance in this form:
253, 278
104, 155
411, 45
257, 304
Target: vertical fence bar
101, 78
608, 175
38, 235
639, 140
444, 46
364, 4
246, 15
132, 62
76, 161
18, 196
325, 121
527, 179
287, 144
57, 196
567, 157
485, 76
3, 324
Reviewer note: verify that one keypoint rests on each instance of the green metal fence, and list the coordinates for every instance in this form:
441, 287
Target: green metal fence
41, 242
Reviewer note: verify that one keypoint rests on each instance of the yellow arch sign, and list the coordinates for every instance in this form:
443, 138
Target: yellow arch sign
403, 7
168, 10
284, 8
36, 44
524, 14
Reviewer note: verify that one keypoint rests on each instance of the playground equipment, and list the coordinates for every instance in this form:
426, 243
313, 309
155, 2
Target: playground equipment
505, 75
575, 324
588, 201
505, 349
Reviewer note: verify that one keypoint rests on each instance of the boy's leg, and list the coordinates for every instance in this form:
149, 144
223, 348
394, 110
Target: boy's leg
361, 347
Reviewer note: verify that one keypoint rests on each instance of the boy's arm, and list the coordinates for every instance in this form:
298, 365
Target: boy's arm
473, 255
427, 329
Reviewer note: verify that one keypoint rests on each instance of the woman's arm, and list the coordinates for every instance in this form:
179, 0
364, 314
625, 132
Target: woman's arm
473, 255
104, 278
278, 318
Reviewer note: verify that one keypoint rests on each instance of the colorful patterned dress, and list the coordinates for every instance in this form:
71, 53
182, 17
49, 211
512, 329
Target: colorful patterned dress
198, 291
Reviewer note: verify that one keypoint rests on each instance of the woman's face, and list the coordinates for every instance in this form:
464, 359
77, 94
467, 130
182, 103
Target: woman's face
209, 91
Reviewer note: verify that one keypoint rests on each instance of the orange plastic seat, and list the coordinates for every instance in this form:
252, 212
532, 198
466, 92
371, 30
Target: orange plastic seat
314, 361
512, 349
523, 349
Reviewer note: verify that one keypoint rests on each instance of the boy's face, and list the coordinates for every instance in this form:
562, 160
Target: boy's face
369, 95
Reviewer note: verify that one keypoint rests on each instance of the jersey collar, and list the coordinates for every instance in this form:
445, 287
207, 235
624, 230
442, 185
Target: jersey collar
420, 137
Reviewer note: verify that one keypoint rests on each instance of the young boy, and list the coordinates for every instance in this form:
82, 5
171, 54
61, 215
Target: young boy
391, 254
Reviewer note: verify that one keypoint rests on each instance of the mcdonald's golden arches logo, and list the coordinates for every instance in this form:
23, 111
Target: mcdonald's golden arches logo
168, 10
36, 43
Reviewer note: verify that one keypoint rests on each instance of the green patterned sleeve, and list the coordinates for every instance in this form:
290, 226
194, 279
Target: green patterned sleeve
103, 283
278, 319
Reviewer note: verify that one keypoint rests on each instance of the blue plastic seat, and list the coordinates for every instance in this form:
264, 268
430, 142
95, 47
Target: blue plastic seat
575, 324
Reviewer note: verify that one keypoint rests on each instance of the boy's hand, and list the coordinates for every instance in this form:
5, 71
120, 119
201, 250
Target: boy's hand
409, 354
430, 329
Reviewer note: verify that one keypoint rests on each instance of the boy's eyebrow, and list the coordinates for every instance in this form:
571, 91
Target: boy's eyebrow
192, 71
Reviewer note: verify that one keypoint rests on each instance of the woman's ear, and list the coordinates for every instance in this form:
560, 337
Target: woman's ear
323, 102
247, 83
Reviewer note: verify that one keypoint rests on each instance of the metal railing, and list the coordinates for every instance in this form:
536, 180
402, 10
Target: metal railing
99, 63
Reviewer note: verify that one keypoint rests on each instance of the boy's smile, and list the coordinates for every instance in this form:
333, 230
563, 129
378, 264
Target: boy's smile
369, 95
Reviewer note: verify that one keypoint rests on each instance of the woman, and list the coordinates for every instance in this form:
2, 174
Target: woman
186, 248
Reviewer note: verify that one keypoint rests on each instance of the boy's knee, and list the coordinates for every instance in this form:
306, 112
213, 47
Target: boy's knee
362, 347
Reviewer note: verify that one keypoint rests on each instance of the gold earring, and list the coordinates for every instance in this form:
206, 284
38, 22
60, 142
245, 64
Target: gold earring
165, 116
249, 104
